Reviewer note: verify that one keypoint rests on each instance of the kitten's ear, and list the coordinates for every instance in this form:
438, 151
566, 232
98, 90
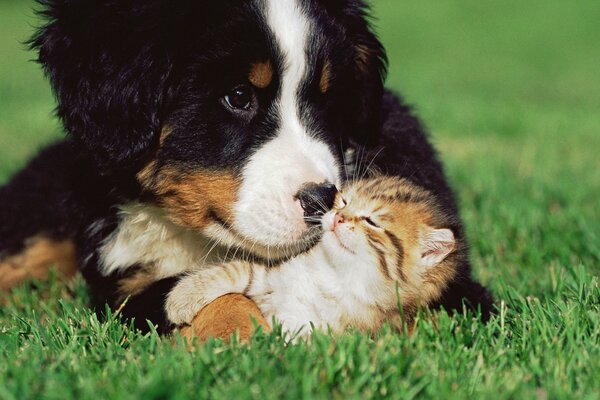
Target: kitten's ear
436, 245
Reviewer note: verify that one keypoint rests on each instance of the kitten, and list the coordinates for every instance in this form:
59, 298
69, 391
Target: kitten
385, 243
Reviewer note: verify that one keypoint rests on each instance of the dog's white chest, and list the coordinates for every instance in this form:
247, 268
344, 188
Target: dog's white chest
146, 237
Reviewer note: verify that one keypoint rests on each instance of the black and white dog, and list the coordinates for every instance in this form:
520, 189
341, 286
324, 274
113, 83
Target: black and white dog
198, 128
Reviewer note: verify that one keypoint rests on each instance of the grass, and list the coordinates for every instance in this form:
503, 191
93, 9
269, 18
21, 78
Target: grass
510, 91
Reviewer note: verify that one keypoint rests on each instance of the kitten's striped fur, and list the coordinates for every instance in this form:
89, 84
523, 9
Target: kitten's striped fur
386, 242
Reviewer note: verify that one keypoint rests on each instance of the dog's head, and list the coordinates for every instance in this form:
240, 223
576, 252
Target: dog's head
223, 111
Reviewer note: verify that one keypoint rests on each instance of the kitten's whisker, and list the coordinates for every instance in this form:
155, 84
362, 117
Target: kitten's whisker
344, 159
237, 248
367, 169
212, 244
359, 151
313, 220
217, 242
319, 202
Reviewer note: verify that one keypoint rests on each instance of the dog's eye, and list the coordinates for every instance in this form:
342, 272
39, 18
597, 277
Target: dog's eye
240, 98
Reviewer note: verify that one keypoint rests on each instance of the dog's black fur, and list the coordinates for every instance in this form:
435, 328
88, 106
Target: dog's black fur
124, 70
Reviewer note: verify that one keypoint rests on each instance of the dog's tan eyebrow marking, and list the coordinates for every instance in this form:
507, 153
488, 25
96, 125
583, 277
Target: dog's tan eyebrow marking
164, 133
261, 74
363, 54
325, 81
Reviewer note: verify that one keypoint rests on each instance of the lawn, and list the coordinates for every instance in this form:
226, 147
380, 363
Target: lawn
511, 93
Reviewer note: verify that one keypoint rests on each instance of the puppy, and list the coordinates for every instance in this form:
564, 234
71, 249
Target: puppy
195, 129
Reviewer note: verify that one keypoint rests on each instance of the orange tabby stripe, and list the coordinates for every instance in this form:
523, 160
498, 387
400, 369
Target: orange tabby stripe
383, 267
399, 253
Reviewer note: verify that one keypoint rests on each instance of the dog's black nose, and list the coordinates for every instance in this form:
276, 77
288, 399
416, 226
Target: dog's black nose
317, 199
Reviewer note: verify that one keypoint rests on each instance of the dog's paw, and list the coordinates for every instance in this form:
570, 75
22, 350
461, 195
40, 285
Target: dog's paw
223, 317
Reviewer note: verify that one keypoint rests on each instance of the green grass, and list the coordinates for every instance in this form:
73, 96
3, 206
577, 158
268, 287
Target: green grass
511, 93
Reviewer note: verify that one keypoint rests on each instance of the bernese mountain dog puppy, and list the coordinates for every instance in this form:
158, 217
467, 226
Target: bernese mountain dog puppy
203, 129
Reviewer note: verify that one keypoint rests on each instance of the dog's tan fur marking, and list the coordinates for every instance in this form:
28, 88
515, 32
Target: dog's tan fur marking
261, 74
193, 198
223, 317
363, 55
146, 175
164, 134
197, 198
136, 283
326, 77
40, 254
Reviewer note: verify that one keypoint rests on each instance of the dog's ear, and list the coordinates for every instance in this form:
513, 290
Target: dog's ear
334, 7
108, 70
369, 67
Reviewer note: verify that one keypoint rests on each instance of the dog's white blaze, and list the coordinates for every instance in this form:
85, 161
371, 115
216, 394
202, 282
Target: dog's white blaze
266, 211
290, 27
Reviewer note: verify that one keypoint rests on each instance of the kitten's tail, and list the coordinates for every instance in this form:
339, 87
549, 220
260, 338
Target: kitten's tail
200, 288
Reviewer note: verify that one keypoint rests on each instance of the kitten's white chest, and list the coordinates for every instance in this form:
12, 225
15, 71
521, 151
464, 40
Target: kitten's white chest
306, 291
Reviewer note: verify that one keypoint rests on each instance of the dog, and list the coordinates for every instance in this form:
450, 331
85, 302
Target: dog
199, 130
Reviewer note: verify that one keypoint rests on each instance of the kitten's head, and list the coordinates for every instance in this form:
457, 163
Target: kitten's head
393, 237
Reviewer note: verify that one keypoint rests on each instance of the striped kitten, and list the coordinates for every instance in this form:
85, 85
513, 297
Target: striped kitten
385, 242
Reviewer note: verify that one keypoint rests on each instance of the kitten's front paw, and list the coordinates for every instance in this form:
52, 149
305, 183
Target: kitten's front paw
179, 314
182, 303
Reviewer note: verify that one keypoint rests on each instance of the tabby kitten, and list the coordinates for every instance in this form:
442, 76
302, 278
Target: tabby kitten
385, 243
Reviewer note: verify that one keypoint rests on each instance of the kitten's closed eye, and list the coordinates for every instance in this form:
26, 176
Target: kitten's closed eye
369, 221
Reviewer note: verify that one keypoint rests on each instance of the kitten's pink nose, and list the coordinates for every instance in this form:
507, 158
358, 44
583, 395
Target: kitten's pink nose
338, 219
